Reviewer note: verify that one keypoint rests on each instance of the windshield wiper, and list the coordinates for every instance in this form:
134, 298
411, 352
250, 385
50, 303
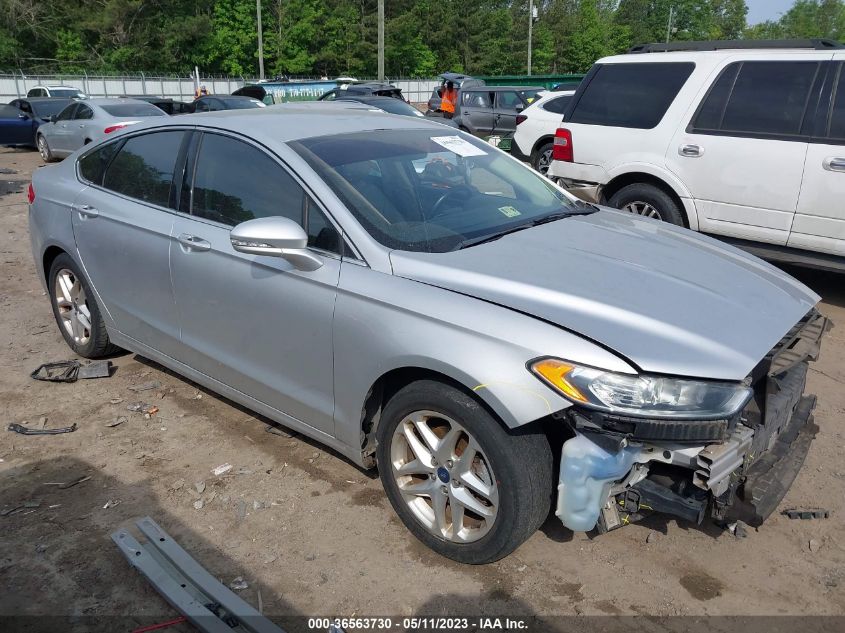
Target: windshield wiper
586, 209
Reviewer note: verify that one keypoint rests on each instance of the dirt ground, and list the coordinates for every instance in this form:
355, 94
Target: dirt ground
313, 533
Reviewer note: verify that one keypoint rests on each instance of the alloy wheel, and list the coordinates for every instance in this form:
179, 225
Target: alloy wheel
72, 306
544, 160
643, 208
42, 148
444, 477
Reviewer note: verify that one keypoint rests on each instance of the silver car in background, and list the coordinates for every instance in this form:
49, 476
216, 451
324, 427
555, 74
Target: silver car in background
422, 302
82, 122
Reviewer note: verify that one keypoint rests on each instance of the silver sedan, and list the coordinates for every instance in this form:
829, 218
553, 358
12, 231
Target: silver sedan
82, 122
422, 302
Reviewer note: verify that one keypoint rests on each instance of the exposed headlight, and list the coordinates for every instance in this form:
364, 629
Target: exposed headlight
643, 395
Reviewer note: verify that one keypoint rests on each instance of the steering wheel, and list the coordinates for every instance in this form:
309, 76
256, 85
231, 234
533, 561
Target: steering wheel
459, 191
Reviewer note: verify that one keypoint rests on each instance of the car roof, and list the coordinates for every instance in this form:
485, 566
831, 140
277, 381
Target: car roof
51, 86
45, 99
105, 101
711, 56
296, 121
500, 88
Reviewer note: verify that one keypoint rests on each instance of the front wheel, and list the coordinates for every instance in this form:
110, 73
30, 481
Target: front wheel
461, 483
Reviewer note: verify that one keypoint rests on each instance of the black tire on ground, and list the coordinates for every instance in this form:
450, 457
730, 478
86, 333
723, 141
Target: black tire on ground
521, 461
98, 344
537, 161
643, 193
44, 149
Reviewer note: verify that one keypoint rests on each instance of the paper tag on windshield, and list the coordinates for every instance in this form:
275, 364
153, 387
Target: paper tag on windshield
458, 145
510, 212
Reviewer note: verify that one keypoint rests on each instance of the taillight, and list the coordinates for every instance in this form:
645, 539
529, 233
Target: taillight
562, 147
520, 118
30, 194
112, 128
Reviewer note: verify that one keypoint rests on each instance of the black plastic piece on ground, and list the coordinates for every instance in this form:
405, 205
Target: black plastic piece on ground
769, 477
24, 430
807, 513
62, 371
659, 498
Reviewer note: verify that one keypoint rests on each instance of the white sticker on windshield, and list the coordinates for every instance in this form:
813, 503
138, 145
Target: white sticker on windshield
458, 145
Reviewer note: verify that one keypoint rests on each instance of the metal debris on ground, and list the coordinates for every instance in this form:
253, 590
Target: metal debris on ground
117, 421
186, 585
25, 430
239, 584
146, 386
71, 370
807, 513
74, 482
276, 430
24, 505
221, 469
143, 407
111, 503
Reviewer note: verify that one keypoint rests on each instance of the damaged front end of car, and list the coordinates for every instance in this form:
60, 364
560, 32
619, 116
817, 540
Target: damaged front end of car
681, 447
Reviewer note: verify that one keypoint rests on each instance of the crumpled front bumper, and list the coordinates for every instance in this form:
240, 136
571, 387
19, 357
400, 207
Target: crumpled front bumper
617, 470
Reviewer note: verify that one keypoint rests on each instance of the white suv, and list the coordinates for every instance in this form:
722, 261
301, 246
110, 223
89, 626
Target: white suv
535, 129
744, 140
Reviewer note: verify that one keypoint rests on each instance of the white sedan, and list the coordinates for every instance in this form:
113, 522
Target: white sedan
83, 122
535, 129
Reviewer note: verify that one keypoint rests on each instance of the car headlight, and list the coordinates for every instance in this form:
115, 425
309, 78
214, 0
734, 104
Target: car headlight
642, 395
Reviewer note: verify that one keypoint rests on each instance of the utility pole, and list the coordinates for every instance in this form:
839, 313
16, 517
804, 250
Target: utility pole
380, 40
530, 31
669, 24
260, 40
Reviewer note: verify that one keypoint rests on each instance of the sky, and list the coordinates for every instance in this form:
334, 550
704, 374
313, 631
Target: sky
762, 10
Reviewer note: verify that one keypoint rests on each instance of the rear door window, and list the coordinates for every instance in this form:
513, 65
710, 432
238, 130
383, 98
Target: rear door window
634, 95
837, 114
508, 100
758, 99
143, 168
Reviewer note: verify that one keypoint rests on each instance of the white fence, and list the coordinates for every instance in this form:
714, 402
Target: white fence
13, 86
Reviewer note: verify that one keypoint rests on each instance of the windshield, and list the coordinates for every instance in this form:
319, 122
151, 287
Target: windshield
121, 110
49, 107
65, 92
425, 190
243, 104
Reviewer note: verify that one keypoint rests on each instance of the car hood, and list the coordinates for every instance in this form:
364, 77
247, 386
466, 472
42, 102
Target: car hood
667, 299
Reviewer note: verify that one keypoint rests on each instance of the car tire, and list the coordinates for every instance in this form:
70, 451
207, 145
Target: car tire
641, 198
476, 452
44, 149
76, 311
542, 158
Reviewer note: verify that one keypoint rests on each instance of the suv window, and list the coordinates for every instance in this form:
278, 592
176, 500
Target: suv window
837, 115
93, 165
757, 97
634, 95
508, 100
235, 182
143, 168
476, 99
558, 106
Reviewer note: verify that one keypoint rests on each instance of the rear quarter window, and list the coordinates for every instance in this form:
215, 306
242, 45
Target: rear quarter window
634, 95
93, 165
558, 106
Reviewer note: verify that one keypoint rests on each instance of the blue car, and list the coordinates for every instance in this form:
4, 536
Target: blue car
20, 119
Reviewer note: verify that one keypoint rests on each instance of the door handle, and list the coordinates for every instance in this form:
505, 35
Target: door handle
194, 243
81, 125
832, 163
691, 151
86, 211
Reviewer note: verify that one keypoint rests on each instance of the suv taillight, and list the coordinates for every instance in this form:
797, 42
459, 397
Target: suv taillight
30, 194
520, 118
562, 147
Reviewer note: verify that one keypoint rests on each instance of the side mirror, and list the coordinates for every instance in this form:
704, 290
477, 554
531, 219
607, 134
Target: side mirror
519, 108
23, 115
52, 118
276, 237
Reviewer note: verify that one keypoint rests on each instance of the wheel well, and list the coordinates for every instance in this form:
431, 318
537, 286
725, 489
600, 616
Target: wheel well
635, 177
540, 142
49, 257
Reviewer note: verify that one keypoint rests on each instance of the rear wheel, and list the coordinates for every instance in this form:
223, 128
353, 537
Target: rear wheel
542, 158
44, 149
76, 311
641, 198
462, 484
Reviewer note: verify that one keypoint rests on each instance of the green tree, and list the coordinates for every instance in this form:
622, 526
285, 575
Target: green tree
595, 36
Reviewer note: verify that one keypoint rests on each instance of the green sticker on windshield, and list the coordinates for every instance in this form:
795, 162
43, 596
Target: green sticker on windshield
509, 211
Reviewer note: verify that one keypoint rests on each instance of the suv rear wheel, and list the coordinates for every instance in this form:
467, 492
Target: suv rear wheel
645, 199
542, 158
461, 483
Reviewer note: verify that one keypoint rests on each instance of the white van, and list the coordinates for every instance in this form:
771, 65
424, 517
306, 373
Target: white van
744, 140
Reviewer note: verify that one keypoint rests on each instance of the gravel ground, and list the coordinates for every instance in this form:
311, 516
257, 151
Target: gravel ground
313, 534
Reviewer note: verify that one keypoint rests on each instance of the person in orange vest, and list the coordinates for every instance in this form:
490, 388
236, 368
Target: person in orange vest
448, 100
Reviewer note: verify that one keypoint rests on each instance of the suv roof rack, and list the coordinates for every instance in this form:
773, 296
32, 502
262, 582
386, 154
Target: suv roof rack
718, 45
